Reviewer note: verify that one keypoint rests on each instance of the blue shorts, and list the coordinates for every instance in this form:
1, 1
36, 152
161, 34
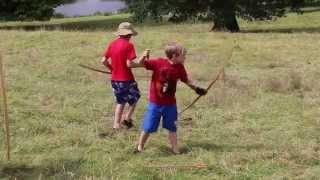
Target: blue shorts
155, 112
126, 92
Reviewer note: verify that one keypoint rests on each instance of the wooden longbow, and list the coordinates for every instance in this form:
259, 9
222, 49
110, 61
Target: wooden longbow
102, 71
6, 121
209, 86
94, 69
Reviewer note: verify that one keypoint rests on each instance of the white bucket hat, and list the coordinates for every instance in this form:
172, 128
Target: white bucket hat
126, 28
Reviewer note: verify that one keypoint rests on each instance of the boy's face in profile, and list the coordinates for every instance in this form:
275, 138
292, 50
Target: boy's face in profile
180, 56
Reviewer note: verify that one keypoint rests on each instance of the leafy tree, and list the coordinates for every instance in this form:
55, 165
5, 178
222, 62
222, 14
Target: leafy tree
28, 9
222, 12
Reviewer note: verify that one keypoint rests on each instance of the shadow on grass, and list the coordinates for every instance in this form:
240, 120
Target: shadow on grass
221, 147
284, 30
63, 170
19, 172
165, 151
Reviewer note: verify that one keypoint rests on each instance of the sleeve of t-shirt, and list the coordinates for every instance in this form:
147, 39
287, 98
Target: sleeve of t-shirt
131, 53
150, 64
183, 74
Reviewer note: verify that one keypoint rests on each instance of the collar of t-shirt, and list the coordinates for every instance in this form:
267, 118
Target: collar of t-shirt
123, 38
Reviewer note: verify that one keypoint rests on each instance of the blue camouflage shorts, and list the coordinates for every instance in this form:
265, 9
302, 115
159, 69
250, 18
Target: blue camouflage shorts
126, 92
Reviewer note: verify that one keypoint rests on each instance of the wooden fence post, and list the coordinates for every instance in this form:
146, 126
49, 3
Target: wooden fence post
5, 108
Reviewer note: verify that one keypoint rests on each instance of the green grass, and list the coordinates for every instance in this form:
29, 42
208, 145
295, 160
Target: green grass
261, 123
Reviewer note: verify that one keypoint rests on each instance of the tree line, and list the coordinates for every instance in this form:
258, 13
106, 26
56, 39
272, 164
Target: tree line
223, 13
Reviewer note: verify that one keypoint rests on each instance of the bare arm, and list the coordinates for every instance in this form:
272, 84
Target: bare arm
140, 61
200, 91
191, 84
106, 62
136, 63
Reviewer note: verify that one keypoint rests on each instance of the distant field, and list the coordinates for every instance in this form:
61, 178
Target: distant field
309, 22
76, 23
261, 122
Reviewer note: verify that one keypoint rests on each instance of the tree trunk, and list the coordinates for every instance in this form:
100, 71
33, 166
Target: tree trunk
225, 20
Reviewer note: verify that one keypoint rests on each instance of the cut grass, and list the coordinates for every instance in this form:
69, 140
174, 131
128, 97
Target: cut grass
261, 123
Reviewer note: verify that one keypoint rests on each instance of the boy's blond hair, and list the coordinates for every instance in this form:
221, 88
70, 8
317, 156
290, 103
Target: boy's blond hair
174, 49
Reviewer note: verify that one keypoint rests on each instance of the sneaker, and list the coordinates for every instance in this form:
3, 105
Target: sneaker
127, 123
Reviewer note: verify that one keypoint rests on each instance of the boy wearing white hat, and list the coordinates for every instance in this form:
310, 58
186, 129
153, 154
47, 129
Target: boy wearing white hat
118, 57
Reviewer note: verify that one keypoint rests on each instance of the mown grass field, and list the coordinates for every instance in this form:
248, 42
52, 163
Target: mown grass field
261, 122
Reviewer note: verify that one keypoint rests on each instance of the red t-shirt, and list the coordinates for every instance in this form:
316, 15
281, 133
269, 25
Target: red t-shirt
121, 50
164, 80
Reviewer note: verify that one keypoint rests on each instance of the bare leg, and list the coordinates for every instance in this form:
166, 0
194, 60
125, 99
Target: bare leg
142, 141
174, 142
130, 112
118, 115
